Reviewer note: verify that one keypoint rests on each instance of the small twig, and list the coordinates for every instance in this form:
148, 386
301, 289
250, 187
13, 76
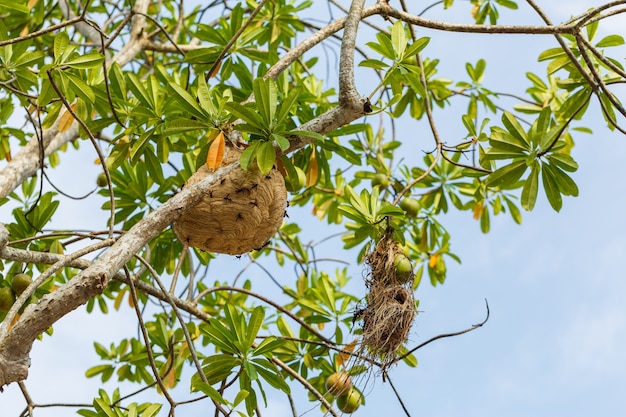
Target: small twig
305, 383
236, 36
146, 337
37, 33
441, 336
395, 391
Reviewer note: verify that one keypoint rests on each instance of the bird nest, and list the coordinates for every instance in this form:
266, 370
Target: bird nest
238, 214
390, 311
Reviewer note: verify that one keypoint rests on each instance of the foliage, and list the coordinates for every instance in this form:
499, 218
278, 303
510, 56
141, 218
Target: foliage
147, 89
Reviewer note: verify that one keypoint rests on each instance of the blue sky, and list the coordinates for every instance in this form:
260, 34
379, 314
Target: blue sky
555, 340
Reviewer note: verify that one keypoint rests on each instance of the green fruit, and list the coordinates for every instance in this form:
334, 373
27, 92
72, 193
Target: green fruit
410, 206
403, 266
338, 383
7, 298
380, 180
102, 180
20, 283
349, 402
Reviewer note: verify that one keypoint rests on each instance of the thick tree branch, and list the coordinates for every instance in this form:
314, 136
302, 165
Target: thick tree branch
350, 105
16, 345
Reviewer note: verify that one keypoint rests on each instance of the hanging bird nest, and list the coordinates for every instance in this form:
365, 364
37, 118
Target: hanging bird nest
390, 310
238, 214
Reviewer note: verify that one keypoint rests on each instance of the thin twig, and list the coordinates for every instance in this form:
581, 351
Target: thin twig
441, 336
231, 42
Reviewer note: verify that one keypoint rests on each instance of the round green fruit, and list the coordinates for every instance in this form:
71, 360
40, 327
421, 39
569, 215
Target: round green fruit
338, 383
410, 206
380, 180
7, 298
349, 402
102, 180
20, 283
403, 266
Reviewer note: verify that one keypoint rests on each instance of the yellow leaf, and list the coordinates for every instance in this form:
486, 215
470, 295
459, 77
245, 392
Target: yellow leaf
131, 303
170, 379
312, 172
66, 120
216, 152
215, 70
474, 11
478, 211
118, 300
433, 260
344, 356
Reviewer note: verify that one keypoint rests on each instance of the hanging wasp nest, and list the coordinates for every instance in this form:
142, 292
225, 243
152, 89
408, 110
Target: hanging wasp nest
390, 309
240, 213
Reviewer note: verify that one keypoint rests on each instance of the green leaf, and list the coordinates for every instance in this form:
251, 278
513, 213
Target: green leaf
384, 46
61, 42
90, 60
484, 221
81, 89
565, 183
151, 410
283, 327
249, 154
347, 154
254, 324
242, 394
416, 47
266, 371
563, 161
399, 38
246, 114
8, 5
183, 125
204, 97
96, 370
103, 408
221, 336
283, 142
550, 54
515, 213
530, 189
268, 346
218, 368
266, 98
138, 89
551, 189
557, 64
468, 122
211, 392
373, 63
287, 103
266, 157
507, 175
611, 40
514, 128
502, 140
187, 101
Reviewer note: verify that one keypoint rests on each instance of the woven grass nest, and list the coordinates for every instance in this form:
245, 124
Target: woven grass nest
237, 215
390, 311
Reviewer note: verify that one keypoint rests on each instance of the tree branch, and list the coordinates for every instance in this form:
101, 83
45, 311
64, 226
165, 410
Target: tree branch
16, 344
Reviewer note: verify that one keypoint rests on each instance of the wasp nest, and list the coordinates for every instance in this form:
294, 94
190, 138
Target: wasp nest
239, 214
390, 310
